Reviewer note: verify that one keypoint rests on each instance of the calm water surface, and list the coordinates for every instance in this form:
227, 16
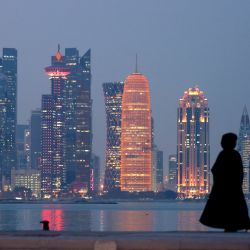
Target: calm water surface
124, 216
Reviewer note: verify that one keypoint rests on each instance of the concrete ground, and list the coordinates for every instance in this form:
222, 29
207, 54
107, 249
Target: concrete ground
124, 240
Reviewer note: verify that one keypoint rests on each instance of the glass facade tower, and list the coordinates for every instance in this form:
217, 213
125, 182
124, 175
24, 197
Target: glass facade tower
78, 120
52, 136
113, 103
193, 149
136, 135
8, 68
67, 125
244, 148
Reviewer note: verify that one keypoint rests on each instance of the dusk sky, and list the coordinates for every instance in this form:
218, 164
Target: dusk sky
179, 44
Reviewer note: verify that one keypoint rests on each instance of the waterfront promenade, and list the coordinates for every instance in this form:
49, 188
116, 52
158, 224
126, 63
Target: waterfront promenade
124, 240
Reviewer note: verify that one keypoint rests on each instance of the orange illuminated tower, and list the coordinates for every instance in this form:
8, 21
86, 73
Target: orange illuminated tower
136, 135
193, 148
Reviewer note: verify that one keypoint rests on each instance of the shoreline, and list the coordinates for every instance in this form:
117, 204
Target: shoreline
124, 240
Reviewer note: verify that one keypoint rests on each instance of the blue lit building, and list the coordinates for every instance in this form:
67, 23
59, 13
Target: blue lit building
113, 103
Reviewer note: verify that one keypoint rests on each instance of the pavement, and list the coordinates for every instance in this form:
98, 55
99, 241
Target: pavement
124, 240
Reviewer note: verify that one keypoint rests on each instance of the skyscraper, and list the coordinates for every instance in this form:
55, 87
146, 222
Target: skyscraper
9, 70
67, 124
113, 103
172, 171
78, 120
157, 169
53, 170
193, 149
136, 135
35, 128
244, 148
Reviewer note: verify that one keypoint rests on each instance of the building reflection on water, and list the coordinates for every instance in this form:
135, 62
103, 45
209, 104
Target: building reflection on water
55, 218
65, 219
127, 216
113, 220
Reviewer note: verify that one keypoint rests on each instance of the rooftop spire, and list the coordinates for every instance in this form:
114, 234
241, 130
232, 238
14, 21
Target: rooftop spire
136, 66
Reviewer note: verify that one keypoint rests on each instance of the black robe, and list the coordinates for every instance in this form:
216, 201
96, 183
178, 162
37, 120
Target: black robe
226, 207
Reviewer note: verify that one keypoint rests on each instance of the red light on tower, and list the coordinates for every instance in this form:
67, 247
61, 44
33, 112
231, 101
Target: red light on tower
58, 70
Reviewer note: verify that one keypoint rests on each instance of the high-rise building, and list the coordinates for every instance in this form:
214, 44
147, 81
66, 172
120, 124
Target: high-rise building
157, 169
136, 135
172, 172
193, 149
35, 129
20, 146
78, 119
53, 170
67, 125
3, 109
9, 70
244, 148
27, 147
95, 173
113, 103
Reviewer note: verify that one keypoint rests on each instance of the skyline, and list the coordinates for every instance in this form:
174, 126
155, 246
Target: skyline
175, 52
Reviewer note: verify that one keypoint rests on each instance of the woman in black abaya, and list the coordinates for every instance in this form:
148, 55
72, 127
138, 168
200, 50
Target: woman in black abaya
226, 207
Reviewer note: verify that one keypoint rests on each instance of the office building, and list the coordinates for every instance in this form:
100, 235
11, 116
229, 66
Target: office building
244, 148
172, 172
27, 178
67, 125
8, 70
113, 104
193, 149
35, 130
157, 169
78, 120
53, 172
136, 135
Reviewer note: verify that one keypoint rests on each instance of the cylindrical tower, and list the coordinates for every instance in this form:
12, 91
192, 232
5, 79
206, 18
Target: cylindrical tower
136, 135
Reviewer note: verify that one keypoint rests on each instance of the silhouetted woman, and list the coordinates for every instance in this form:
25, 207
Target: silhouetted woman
226, 207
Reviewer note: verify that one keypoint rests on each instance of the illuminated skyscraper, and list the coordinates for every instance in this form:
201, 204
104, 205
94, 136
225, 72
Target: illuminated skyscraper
193, 149
67, 125
172, 171
8, 68
113, 102
244, 148
53, 173
157, 168
136, 135
35, 128
78, 120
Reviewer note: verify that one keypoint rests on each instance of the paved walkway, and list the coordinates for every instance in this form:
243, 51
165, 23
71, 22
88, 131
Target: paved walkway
124, 240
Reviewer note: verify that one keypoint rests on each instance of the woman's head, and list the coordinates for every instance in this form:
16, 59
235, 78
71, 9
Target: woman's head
228, 141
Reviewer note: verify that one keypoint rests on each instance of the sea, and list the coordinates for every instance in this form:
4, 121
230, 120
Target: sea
123, 216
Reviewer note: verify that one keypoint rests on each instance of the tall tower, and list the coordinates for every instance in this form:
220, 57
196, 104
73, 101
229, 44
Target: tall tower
136, 137
113, 103
193, 149
78, 121
53, 170
244, 148
9, 69
172, 171
35, 129
3, 109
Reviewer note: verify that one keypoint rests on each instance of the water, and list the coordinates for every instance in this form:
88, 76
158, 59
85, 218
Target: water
124, 216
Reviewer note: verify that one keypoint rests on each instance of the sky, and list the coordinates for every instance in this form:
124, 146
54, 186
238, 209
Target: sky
180, 44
